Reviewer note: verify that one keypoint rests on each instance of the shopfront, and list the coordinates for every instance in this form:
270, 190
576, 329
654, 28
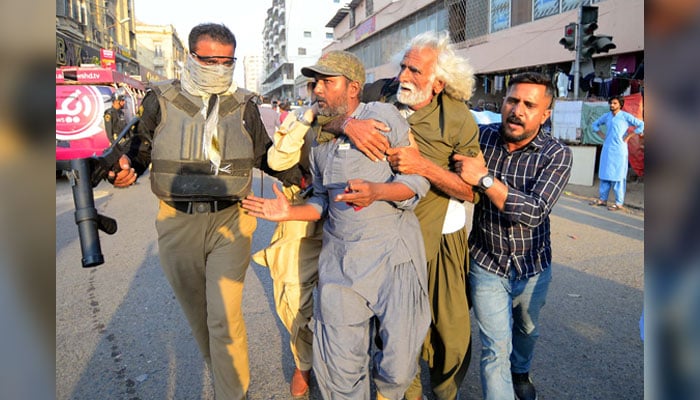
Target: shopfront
74, 52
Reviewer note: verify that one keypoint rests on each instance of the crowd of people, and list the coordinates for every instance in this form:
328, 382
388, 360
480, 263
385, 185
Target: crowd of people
371, 220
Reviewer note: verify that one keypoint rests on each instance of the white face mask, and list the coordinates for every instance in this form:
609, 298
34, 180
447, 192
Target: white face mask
212, 79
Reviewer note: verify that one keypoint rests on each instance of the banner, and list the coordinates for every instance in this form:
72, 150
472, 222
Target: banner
590, 112
566, 120
634, 104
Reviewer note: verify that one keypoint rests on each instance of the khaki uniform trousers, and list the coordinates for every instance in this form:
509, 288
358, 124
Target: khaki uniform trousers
447, 346
205, 257
292, 257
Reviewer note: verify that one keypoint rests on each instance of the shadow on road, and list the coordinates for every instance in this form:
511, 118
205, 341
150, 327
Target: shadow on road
142, 347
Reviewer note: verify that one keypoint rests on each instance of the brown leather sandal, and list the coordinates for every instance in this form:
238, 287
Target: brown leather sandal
598, 202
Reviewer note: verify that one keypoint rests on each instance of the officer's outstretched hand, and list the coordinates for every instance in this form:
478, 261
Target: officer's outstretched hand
276, 209
124, 178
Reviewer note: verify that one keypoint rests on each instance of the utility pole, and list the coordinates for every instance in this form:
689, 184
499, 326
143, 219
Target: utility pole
577, 57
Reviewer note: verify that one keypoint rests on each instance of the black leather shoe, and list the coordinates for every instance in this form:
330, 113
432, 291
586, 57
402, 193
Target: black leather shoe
523, 387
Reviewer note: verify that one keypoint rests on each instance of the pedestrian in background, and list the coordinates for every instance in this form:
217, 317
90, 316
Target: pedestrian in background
510, 246
284, 110
114, 117
269, 116
612, 170
203, 135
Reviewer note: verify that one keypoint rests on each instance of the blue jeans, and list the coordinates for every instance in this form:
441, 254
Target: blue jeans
507, 312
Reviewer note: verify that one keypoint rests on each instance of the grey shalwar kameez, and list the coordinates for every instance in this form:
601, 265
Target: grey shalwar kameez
372, 264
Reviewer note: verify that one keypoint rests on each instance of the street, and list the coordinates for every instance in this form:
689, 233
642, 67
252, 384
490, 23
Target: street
120, 333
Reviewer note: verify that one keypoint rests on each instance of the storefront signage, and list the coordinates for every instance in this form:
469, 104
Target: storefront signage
365, 29
108, 59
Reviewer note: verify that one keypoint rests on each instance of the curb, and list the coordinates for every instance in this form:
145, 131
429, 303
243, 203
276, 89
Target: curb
588, 198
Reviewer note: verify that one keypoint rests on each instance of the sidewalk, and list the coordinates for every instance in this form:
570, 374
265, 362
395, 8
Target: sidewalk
634, 196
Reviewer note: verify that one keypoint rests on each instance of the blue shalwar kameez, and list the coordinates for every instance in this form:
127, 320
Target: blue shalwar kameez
612, 170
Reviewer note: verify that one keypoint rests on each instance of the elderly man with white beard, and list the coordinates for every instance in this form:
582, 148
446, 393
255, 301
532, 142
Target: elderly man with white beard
430, 91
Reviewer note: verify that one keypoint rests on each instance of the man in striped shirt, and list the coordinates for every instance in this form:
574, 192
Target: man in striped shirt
509, 245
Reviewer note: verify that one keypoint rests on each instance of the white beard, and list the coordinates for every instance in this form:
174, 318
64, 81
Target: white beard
413, 96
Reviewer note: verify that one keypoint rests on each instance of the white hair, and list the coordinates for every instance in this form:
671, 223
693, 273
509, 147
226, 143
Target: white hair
455, 71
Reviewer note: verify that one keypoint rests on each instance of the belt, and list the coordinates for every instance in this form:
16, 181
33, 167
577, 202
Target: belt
194, 207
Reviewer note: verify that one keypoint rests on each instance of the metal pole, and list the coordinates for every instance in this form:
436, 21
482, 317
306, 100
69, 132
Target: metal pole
577, 57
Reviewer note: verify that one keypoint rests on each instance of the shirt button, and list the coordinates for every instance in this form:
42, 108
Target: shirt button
201, 207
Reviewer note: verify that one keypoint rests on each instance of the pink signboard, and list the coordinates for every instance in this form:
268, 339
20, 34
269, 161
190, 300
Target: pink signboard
79, 120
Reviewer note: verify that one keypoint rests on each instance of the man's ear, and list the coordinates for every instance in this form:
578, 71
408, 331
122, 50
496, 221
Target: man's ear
546, 115
438, 86
354, 89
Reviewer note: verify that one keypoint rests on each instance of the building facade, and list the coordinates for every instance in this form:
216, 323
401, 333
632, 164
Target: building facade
293, 37
252, 72
499, 37
88, 31
160, 52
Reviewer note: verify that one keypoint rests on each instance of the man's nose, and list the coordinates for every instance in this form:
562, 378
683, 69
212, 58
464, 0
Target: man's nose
517, 109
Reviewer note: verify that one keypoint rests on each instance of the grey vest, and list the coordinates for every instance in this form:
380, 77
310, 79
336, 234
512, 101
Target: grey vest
179, 171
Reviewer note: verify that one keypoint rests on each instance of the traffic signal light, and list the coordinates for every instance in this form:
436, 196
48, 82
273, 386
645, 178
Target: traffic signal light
569, 39
603, 44
589, 23
590, 43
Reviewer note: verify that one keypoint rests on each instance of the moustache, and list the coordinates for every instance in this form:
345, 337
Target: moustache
515, 120
407, 86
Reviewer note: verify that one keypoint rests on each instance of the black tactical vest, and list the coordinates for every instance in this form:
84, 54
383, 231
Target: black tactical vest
179, 170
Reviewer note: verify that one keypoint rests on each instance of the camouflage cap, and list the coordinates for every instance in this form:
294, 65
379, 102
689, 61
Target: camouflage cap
117, 96
338, 63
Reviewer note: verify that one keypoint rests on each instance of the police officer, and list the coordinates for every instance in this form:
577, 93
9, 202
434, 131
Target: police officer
115, 120
202, 136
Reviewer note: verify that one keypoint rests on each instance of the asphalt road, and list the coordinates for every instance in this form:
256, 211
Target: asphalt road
120, 333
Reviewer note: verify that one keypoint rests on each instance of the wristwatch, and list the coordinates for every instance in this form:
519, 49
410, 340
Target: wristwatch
485, 182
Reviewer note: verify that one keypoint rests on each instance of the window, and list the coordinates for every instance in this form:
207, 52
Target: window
157, 49
75, 11
63, 8
369, 7
336, 1
329, 35
301, 51
352, 17
545, 8
307, 34
500, 15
